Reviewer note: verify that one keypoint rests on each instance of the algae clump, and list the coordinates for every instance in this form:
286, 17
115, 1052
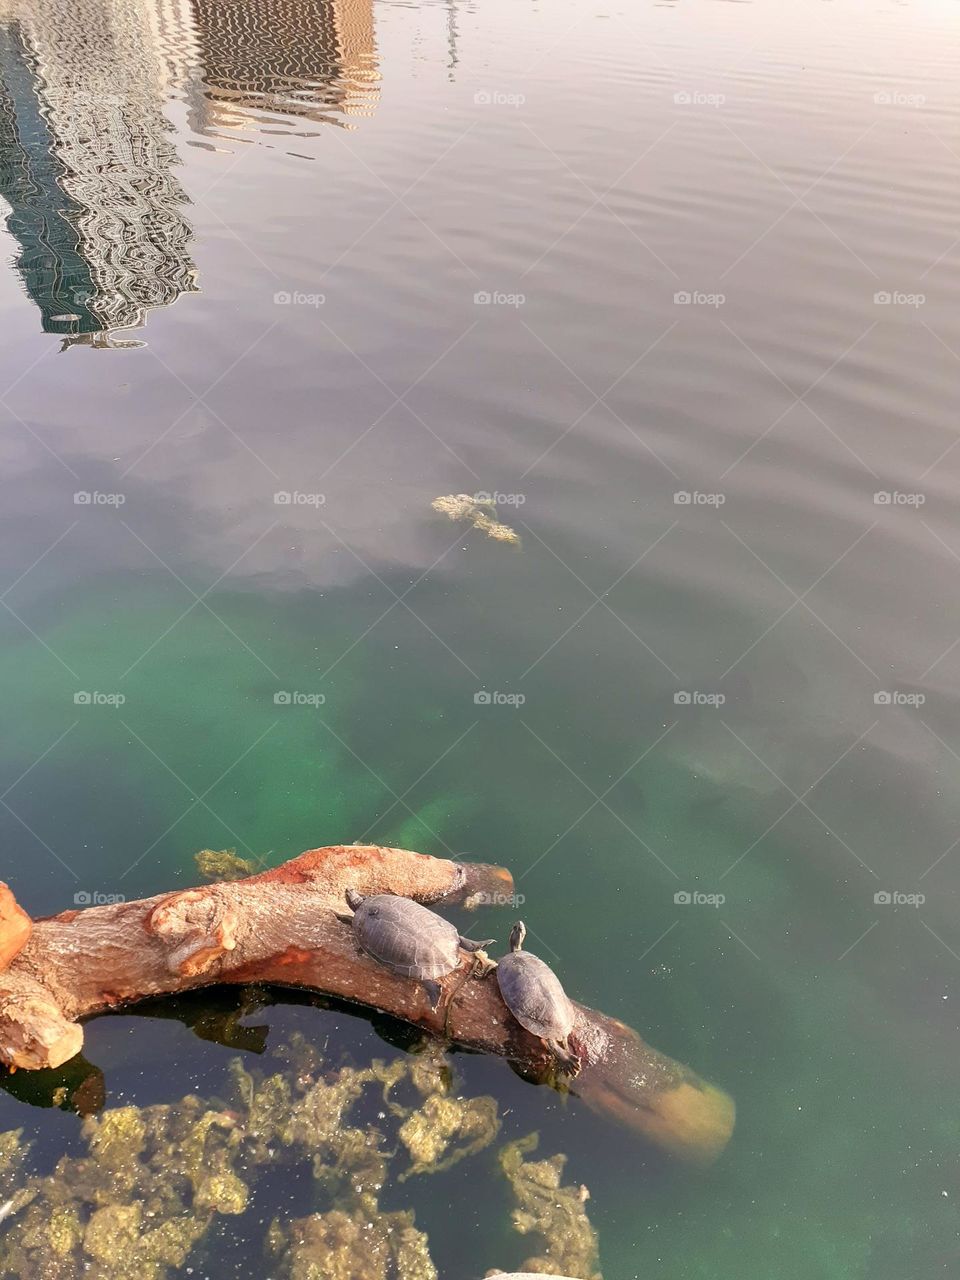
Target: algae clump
144, 1198
460, 506
555, 1213
223, 864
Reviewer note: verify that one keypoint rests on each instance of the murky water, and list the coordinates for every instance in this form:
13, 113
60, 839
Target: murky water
675, 283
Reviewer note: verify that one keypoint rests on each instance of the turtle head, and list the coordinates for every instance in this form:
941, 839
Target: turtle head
353, 898
517, 935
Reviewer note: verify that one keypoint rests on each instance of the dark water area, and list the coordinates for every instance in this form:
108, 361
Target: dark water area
676, 283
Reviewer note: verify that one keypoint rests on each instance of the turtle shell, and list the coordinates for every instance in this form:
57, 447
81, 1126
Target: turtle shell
406, 937
533, 994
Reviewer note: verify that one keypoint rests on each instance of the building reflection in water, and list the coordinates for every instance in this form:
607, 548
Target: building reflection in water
314, 59
87, 160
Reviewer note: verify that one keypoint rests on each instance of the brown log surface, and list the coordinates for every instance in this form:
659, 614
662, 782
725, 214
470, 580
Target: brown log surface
280, 927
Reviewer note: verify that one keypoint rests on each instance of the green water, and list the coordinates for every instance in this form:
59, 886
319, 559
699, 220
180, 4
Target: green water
249, 151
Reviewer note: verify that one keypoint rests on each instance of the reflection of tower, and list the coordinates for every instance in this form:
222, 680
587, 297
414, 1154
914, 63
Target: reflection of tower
314, 59
87, 165
42, 217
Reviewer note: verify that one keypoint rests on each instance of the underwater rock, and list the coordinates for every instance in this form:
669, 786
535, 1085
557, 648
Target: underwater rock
460, 506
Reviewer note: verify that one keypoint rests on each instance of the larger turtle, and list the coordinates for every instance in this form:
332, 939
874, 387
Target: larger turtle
409, 939
533, 994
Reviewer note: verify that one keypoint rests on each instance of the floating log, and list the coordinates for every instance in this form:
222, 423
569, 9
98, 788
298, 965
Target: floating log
279, 927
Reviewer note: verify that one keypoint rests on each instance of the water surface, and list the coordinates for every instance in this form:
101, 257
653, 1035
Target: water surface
677, 282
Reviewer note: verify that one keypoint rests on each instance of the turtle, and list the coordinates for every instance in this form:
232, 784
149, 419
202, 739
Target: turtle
533, 994
410, 939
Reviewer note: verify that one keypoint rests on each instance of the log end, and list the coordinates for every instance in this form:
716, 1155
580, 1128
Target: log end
643, 1090
33, 1031
15, 927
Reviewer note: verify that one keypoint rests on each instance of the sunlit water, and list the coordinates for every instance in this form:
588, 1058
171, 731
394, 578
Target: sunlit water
677, 281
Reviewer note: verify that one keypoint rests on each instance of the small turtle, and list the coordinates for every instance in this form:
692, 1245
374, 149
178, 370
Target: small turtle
410, 939
533, 994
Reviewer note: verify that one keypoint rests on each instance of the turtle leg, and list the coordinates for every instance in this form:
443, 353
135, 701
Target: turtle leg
482, 964
564, 1054
342, 915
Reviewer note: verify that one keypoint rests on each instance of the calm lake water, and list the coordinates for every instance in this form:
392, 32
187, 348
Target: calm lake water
677, 283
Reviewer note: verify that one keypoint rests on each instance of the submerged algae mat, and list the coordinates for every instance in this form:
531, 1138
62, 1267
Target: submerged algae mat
147, 1197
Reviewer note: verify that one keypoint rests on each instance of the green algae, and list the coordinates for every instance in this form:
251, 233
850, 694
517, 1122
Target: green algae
547, 1209
445, 1131
144, 1197
223, 864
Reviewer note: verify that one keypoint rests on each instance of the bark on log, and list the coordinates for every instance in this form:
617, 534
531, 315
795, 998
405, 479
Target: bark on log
279, 927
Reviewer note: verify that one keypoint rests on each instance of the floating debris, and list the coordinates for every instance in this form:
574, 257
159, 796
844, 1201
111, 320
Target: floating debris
460, 506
